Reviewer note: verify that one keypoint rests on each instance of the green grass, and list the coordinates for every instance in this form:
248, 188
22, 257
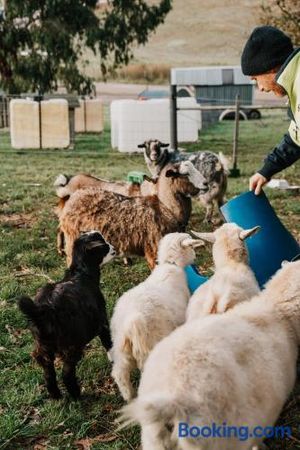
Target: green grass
28, 259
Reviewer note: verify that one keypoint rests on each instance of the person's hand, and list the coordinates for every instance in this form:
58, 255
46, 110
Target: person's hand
256, 182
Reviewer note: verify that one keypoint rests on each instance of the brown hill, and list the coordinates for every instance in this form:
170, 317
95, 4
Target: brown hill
202, 32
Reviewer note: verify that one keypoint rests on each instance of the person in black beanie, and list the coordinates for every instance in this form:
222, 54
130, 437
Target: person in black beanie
270, 59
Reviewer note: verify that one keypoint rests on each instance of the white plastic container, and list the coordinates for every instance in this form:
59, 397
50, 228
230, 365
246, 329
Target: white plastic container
89, 116
55, 129
94, 115
24, 123
80, 117
134, 121
115, 108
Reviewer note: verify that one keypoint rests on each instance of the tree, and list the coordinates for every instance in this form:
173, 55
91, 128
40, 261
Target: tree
283, 14
42, 42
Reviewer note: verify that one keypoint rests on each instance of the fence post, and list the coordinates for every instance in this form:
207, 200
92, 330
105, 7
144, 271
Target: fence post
235, 171
173, 117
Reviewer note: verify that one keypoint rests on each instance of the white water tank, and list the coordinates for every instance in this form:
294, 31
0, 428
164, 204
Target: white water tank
134, 121
39, 125
55, 129
24, 123
89, 116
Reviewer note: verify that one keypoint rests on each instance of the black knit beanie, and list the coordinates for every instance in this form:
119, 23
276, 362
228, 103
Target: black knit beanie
266, 48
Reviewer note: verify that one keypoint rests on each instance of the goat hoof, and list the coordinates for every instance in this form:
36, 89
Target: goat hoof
128, 261
75, 393
55, 395
61, 251
109, 356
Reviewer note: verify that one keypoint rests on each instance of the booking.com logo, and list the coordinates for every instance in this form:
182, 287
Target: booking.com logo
242, 433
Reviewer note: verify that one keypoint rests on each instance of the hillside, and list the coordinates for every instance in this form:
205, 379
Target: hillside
197, 32
202, 32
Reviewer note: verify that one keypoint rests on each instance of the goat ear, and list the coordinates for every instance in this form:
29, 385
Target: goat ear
208, 237
244, 234
164, 145
151, 180
195, 243
142, 145
172, 173
94, 244
198, 243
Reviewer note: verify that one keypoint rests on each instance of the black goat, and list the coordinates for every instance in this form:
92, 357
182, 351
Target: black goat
66, 315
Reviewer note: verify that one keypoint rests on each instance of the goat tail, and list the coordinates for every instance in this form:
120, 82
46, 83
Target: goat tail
29, 309
136, 340
61, 180
162, 410
60, 184
225, 162
147, 411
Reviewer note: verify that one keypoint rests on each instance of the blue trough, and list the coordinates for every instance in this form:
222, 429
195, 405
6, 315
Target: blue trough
267, 249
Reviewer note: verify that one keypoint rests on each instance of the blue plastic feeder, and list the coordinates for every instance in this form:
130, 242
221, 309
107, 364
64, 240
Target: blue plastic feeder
273, 244
267, 249
194, 278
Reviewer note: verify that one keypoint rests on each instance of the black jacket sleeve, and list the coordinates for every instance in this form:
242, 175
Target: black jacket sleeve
283, 155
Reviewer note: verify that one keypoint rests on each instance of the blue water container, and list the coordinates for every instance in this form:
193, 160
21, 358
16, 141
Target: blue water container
194, 278
273, 244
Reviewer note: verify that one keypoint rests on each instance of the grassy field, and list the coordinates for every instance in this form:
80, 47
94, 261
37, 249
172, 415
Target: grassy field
28, 259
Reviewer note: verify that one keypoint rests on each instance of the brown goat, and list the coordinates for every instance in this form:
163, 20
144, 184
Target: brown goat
134, 225
66, 186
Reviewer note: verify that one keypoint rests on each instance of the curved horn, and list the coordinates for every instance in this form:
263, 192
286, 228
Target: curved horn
244, 234
189, 242
208, 237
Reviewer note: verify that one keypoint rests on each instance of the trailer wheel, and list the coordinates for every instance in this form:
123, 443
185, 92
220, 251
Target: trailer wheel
254, 114
229, 114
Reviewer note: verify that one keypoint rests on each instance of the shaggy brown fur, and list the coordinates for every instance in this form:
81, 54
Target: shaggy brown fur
66, 186
134, 226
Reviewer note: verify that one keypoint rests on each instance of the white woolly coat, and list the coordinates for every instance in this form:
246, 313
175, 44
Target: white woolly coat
228, 286
238, 367
159, 303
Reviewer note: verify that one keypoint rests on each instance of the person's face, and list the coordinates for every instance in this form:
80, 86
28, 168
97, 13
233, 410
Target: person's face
266, 83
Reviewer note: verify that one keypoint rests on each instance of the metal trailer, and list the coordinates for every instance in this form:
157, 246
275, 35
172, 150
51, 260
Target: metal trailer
213, 86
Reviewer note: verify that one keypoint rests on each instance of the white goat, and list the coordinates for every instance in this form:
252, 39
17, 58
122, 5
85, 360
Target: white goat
236, 368
233, 280
151, 310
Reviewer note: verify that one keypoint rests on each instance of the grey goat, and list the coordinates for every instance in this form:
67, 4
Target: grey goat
213, 167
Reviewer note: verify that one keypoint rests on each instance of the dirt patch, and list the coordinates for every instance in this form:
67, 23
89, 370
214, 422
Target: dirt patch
23, 220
